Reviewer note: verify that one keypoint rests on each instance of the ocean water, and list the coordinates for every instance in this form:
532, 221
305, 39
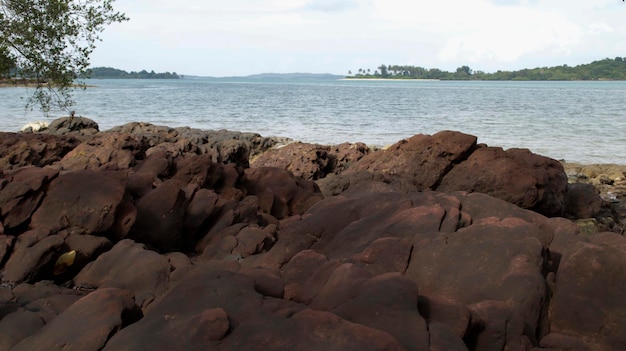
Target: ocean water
573, 121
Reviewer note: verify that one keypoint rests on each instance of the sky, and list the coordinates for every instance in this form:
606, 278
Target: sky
241, 37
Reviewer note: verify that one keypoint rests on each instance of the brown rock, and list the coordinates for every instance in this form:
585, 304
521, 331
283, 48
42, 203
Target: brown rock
40, 150
128, 266
309, 161
22, 194
85, 201
516, 175
33, 256
295, 333
80, 126
160, 217
582, 201
587, 302
87, 324
280, 193
17, 326
173, 322
423, 159
105, 151
391, 310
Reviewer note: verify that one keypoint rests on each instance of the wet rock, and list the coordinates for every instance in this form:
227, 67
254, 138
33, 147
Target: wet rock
87, 324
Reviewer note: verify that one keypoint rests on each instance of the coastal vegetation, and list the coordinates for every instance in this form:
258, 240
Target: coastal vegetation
114, 73
47, 45
606, 69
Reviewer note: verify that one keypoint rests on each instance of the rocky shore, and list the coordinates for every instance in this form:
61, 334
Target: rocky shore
147, 237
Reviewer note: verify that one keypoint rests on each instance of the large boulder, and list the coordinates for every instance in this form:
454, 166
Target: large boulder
516, 175
85, 201
81, 126
160, 217
422, 159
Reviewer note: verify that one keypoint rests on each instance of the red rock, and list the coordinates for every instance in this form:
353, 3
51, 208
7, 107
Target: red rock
173, 322
386, 255
87, 324
388, 302
160, 217
85, 201
6, 246
422, 159
501, 261
33, 256
17, 326
40, 150
266, 282
23, 193
129, 266
582, 201
80, 126
516, 175
295, 333
87, 248
442, 339
309, 161
105, 151
563, 342
280, 193
587, 303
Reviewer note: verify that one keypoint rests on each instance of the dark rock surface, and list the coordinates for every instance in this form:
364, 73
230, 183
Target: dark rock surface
149, 237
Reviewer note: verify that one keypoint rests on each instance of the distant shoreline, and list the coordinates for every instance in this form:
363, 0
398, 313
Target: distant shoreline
396, 79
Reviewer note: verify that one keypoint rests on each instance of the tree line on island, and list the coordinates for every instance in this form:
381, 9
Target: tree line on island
114, 73
606, 69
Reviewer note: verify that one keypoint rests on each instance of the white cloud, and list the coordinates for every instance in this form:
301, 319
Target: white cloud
337, 35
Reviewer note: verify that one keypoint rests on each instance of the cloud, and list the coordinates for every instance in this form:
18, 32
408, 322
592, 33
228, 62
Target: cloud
331, 5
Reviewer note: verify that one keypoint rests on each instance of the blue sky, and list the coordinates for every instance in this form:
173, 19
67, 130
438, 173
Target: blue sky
242, 37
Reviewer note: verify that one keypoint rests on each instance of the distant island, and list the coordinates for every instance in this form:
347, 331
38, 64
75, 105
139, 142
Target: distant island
606, 69
114, 73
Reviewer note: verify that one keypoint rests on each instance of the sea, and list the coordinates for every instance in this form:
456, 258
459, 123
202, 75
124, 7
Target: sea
581, 121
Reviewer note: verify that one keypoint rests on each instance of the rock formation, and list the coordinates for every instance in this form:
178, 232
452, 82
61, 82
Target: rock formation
177, 243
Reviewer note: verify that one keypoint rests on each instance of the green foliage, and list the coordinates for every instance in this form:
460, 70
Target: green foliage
108, 72
50, 41
607, 69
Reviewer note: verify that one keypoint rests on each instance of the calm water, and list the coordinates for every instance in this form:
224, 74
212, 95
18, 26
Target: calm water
576, 121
